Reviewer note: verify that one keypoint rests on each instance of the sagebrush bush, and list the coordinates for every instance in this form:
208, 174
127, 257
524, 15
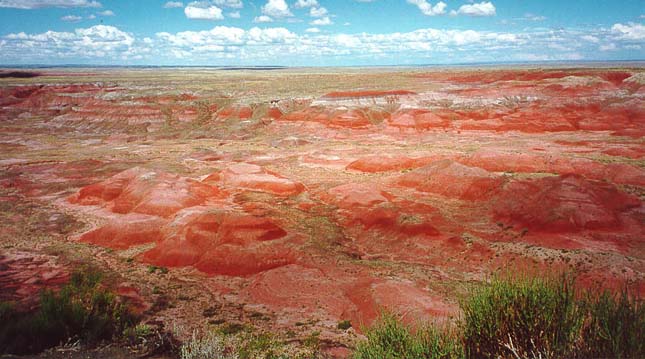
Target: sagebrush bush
210, 345
534, 316
82, 310
614, 327
390, 338
525, 317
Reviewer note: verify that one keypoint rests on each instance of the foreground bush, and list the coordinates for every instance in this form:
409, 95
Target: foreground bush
522, 317
531, 317
390, 338
81, 310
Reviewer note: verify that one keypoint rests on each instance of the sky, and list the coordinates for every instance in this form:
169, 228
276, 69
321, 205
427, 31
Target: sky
318, 32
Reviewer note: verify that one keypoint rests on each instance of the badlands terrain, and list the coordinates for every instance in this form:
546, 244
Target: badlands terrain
290, 200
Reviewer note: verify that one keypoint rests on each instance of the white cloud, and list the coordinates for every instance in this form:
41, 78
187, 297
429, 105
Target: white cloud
262, 19
235, 4
313, 30
203, 10
106, 13
484, 8
37, 4
427, 8
631, 31
300, 4
173, 4
91, 16
607, 47
276, 9
322, 21
590, 38
234, 15
317, 12
71, 18
533, 17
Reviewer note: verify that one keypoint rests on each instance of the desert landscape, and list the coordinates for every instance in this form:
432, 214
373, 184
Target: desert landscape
302, 202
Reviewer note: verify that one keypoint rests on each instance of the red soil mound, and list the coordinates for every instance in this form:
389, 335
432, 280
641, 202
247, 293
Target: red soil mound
143, 191
367, 93
562, 204
416, 119
218, 241
254, 177
349, 119
374, 164
126, 231
241, 112
618, 173
452, 179
24, 275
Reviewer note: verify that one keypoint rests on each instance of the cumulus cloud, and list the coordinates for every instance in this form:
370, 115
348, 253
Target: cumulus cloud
98, 41
37, 4
106, 13
262, 18
484, 8
276, 9
203, 10
173, 4
427, 8
71, 18
323, 21
300, 4
234, 15
631, 31
233, 45
317, 12
235, 4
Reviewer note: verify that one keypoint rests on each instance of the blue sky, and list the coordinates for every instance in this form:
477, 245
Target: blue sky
318, 32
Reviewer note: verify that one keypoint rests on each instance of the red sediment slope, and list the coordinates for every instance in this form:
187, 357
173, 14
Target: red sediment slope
566, 203
452, 179
217, 241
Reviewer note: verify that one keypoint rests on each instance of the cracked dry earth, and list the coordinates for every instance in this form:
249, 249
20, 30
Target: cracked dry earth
290, 200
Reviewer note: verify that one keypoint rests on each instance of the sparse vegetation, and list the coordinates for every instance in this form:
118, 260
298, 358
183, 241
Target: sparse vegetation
521, 317
81, 310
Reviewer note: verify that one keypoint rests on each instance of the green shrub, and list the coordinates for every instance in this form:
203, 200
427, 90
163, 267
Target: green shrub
522, 316
615, 326
390, 338
344, 325
82, 310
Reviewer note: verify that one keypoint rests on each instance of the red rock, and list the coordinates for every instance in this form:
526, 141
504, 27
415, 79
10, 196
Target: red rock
218, 241
566, 203
254, 177
147, 192
126, 231
354, 119
419, 120
451, 179
384, 163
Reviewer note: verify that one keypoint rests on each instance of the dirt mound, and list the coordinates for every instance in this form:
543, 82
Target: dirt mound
452, 179
384, 163
148, 192
217, 241
23, 275
126, 231
254, 177
417, 119
566, 203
